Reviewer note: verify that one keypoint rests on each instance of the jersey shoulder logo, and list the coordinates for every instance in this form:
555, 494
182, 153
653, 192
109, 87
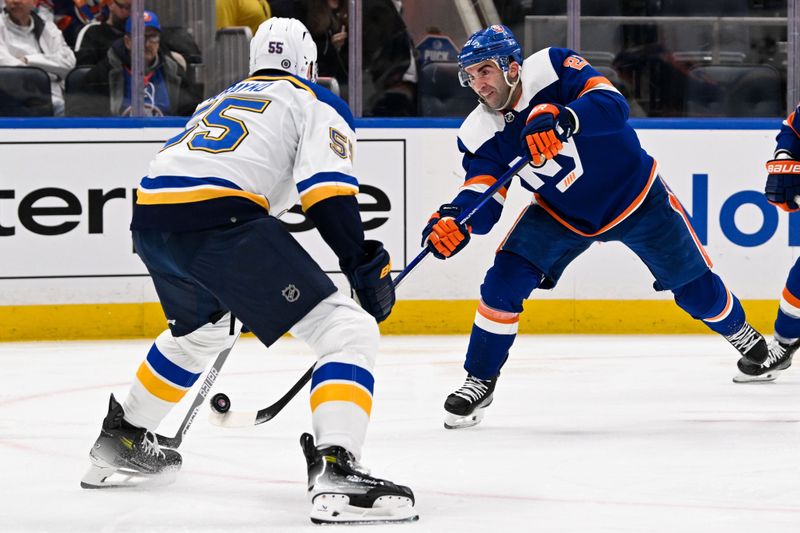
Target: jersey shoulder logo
576, 62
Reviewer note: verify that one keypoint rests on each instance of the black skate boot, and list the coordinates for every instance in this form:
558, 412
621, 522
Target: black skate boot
750, 343
341, 491
466, 405
125, 455
779, 359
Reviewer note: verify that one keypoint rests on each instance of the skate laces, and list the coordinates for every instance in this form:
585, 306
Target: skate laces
346, 459
777, 351
150, 445
744, 339
473, 389
355, 465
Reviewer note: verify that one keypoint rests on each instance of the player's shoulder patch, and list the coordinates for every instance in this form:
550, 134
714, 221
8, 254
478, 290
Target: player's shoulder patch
559, 55
575, 61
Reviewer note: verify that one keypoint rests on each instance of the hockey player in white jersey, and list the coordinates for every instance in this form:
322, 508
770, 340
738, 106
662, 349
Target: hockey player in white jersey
204, 225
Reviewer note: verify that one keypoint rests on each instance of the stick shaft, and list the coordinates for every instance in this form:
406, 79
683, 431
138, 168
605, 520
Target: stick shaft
205, 388
466, 214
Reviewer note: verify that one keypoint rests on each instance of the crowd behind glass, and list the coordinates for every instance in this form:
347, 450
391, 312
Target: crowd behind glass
670, 58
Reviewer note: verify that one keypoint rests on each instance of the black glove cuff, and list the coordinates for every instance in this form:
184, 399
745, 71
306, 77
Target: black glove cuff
372, 282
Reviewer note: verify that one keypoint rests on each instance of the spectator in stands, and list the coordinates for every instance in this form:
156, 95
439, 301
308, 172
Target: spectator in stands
71, 16
291, 9
166, 87
249, 13
95, 39
391, 85
327, 22
27, 41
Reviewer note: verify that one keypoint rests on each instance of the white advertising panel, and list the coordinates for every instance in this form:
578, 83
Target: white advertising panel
66, 196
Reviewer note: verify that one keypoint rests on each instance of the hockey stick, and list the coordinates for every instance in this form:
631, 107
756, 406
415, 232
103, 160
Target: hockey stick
205, 388
465, 215
221, 404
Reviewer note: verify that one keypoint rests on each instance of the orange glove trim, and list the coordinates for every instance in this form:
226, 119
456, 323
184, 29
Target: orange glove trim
540, 109
786, 166
784, 207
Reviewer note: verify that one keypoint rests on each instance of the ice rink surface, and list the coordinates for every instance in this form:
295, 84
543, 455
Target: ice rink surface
587, 434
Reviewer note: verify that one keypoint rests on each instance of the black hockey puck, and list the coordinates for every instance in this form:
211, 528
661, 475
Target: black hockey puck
220, 403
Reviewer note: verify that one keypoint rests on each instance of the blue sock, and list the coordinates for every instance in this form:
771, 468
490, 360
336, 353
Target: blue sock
508, 282
708, 299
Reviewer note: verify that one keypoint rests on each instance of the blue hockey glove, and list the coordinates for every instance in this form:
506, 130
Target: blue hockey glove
783, 183
372, 283
547, 127
443, 235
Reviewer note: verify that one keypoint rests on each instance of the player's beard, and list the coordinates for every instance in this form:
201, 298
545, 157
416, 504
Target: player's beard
506, 98
502, 100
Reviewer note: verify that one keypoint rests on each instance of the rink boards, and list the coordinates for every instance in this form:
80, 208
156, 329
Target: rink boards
68, 269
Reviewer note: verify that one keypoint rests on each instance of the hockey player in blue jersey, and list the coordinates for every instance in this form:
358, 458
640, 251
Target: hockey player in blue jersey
205, 226
591, 180
782, 190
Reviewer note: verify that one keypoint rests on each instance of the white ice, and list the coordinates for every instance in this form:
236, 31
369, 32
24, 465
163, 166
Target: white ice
587, 434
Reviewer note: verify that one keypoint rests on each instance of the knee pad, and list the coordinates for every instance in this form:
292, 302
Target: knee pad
194, 350
338, 328
509, 281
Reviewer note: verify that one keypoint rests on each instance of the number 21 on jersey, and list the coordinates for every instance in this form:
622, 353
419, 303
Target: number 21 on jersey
233, 131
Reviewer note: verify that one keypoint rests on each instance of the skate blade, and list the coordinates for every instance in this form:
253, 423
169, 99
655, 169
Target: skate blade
110, 477
452, 421
766, 377
336, 509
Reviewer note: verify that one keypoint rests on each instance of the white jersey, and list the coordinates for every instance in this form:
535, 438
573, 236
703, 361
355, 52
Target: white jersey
253, 149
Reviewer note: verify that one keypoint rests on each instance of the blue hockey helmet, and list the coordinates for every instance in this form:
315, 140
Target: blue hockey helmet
495, 43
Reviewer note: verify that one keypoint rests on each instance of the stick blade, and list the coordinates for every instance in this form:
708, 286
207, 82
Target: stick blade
233, 419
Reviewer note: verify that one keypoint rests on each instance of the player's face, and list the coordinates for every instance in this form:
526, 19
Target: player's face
487, 80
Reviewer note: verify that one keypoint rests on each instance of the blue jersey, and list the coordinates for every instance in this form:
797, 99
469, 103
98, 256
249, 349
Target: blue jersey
599, 178
788, 140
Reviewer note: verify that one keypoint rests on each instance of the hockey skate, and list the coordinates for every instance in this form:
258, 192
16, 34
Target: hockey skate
750, 343
128, 456
466, 405
779, 359
342, 492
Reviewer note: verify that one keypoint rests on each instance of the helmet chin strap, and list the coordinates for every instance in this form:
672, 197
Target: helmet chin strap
512, 87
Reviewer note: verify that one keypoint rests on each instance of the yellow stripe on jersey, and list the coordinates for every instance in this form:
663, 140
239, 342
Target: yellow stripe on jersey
341, 392
157, 386
144, 197
293, 81
317, 194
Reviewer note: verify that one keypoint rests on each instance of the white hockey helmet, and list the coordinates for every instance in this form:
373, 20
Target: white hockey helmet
284, 44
